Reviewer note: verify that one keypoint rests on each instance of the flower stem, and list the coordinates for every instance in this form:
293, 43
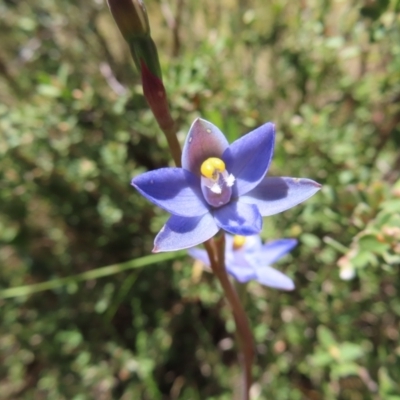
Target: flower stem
157, 99
173, 143
216, 253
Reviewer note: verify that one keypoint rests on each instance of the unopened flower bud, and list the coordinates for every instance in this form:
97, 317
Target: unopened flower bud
130, 17
133, 22
144, 51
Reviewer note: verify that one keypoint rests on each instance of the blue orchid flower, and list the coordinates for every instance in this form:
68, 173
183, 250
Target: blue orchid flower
246, 258
220, 186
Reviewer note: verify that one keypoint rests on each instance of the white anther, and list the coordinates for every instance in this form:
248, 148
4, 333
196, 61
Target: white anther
229, 180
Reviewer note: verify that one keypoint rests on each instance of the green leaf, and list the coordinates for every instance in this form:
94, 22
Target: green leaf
325, 336
49, 90
370, 243
321, 359
362, 259
350, 351
343, 370
386, 384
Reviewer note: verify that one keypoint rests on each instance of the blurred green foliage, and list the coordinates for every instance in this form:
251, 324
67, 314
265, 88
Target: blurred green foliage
75, 128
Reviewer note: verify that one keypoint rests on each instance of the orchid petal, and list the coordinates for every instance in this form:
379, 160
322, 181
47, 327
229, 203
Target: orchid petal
182, 232
248, 158
203, 141
173, 189
271, 277
241, 273
252, 243
201, 255
219, 198
235, 258
239, 218
228, 243
271, 252
274, 195
249, 263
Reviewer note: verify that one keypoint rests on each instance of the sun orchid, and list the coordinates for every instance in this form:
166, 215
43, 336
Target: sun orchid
220, 186
246, 258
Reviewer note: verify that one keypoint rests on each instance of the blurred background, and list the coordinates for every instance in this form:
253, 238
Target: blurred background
74, 130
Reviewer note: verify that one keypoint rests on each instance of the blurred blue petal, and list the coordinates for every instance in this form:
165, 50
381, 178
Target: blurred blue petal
271, 252
200, 254
183, 232
253, 243
252, 260
271, 277
248, 158
241, 273
274, 195
173, 189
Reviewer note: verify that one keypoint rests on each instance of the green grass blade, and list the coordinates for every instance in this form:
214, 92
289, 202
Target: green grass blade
92, 274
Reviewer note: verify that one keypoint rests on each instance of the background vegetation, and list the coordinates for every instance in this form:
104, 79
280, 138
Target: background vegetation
74, 129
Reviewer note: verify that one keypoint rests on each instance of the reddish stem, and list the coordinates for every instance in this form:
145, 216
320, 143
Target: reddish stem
245, 338
156, 96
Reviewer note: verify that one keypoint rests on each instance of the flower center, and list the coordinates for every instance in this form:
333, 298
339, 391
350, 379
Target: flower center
212, 167
216, 182
238, 242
